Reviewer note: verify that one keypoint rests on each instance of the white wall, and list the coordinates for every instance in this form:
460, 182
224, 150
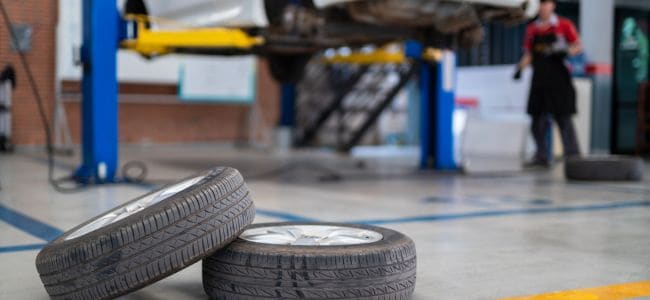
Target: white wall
502, 98
131, 67
498, 94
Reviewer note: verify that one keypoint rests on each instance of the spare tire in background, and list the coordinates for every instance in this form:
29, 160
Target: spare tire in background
148, 238
606, 168
313, 261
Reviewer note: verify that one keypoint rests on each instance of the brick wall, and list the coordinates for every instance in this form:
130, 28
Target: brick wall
172, 122
140, 122
42, 16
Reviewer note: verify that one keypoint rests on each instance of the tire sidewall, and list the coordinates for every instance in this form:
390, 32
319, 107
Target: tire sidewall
390, 240
604, 168
60, 243
385, 269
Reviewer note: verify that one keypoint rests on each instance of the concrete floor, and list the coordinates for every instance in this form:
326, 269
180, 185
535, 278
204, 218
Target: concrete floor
484, 237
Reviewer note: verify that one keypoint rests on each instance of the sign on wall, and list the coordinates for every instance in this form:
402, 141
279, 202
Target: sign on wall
227, 79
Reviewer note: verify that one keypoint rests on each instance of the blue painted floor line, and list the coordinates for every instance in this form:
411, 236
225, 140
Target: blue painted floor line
47, 232
501, 213
19, 248
28, 224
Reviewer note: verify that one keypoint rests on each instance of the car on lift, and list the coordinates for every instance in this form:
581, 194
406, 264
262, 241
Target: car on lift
296, 29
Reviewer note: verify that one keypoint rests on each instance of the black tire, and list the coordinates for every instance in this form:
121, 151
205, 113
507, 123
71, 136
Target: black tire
247, 270
613, 168
275, 10
6, 145
286, 68
150, 244
135, 7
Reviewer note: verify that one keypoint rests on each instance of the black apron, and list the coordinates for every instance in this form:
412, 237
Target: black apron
552, 90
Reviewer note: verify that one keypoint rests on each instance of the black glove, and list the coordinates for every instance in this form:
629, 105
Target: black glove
517, 75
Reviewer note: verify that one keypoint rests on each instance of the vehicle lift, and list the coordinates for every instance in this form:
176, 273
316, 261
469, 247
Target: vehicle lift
437, 78
437, 104
361, 96
105, 32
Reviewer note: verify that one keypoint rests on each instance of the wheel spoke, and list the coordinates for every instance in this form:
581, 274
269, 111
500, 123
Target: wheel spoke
311, 235
135, 207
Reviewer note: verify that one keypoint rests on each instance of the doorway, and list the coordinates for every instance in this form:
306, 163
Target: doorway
632, 53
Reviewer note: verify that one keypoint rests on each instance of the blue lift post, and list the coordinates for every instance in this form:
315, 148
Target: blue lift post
287, 105
284, 132
288, 99
101, 35
437, 86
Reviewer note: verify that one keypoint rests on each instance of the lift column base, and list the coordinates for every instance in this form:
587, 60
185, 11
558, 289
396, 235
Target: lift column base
437, 86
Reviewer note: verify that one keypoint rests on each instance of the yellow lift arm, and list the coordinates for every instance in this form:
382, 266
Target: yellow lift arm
384, 55
165, 41
378, 56
159, 42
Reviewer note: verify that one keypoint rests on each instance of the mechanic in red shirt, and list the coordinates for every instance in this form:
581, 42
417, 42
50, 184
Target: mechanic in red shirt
548, 42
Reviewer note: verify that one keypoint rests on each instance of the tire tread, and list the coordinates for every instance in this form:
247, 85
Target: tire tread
246, 270
152, 246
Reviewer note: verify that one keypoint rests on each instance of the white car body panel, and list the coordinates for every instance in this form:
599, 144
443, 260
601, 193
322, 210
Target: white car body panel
210, 13
326, 3
251, 13
531, 11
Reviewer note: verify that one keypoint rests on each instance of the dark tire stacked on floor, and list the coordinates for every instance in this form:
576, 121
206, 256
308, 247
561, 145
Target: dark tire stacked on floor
385, 269
607, 168
150, 244
201, 217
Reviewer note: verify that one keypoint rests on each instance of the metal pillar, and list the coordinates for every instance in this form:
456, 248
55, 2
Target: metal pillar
437, 104
427, 91
99, 92
6, 93
445, 103
284, 132
598, 41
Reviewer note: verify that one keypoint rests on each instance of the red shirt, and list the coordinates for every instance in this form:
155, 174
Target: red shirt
562, 27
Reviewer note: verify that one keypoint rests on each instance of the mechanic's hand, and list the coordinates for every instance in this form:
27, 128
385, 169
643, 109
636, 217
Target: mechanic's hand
517, 75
